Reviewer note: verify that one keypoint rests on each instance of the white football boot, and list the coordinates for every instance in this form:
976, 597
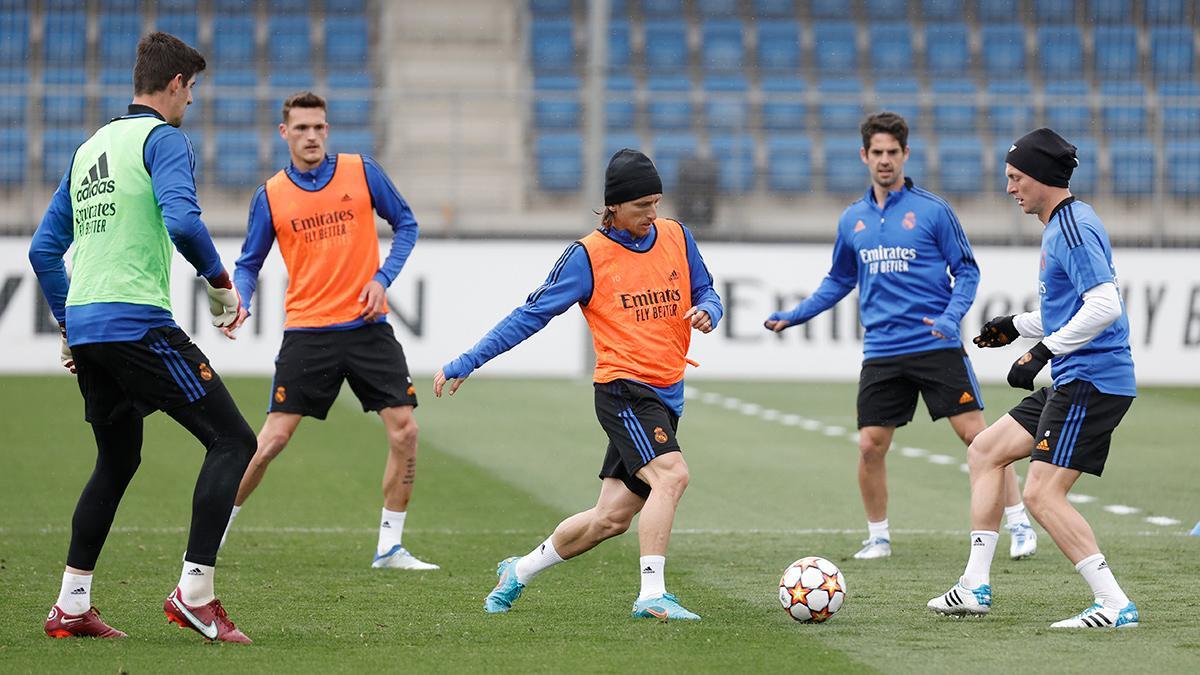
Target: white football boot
1099, 616
875, 547
963, 601
1024, 541
398, 558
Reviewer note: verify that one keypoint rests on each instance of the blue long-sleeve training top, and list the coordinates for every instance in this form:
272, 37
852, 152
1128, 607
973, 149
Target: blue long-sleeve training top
386, 200
898, 255
170, 162
570, 283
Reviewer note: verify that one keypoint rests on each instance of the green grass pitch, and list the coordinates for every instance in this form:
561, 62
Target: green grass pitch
504, 460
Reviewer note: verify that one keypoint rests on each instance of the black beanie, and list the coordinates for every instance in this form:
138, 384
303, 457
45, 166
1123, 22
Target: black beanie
1044, 156
630, 175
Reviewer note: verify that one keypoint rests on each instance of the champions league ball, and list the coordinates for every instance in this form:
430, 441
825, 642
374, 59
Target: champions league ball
812, 589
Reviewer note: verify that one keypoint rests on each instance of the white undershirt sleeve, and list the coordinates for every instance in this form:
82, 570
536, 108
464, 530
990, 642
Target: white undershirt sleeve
1101, 307
1029, 324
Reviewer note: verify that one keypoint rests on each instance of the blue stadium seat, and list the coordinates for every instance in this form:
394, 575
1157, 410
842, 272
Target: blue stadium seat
954, 107
117, 82
181, 25
346, 41
12, 109
841, 105
725, 105
64, 41
666, 46
235, 6
288, 41
1054, 11
349, 79
901, 96
1180, 103
556, 102
286, 6
1172, 52
916, 166
1116, 51
1060, 51
359, 141
1172, 12
1110, 11
827, 9
1183, 178
238, 151
1085, 176
774, 9
233, 100
735, 162
1122, 111
179, 5
12, 155
891, 50
620, 103
1067, 108
1132, 164
670, 151
120, 34
942, 10
550, 7
345, 7
878, 10
552, 45
662, 8
58, 146
784, 107
347, 110
947, 53
196, 136
789, 164
1010, 108
620, 48
716, 8
1003, 53
960, 164
120, 5
280, 156
14, 48
987, 11
844, 171
233, 40
291, 79
834, 49
778, 46
64, 102
721, 47
616, 141
670, 103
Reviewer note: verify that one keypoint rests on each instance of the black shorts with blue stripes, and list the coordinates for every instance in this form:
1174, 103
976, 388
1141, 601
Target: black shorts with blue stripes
1072, 425
640, 427
888, 387
164, 370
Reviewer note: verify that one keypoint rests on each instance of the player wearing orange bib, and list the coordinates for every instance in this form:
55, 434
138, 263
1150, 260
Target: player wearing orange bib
320, 210
643, 288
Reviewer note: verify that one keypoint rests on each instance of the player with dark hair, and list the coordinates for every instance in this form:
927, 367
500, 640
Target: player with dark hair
643, 287
905, 250
320, 209
1066, 429
128, 195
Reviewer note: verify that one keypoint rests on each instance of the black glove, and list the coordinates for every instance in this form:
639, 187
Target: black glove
1027, 367
997, 332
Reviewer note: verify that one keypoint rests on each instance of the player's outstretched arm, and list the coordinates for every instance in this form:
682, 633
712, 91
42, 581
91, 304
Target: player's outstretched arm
842, 278
440, 381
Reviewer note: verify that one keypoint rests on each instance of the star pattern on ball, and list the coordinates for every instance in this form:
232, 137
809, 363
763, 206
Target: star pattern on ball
820, 615
799, 593
830, 584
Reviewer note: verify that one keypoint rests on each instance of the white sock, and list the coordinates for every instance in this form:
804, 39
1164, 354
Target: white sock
538, 560
979, 564
75, 595
229, 525
196, 584
391, 529
654, 584
1015, 515
1104, 585
878, 530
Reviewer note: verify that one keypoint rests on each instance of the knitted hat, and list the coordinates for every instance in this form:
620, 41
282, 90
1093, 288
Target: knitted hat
1044, 156
630, 175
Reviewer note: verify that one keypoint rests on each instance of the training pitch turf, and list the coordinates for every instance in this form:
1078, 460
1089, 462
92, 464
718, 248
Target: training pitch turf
500, 463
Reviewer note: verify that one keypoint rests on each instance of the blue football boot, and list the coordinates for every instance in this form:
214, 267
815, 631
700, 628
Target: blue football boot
663, 608
507, 589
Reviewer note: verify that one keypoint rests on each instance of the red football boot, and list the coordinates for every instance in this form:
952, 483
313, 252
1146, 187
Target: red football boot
209, 620
89, 624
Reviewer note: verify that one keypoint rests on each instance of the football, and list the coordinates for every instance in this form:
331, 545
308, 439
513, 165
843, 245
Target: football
812, 589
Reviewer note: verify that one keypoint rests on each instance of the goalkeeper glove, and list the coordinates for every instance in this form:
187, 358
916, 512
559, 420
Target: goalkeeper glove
1027, 367
997, 332
65, 357
223, 301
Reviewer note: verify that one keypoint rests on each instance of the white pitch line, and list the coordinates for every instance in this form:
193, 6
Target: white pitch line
964, 467
941, 459
811, 425
1161, 520
1080, 499
770, 414
750, 408
791, 420
914, 452
732, 403
1121, 509
834, 431
710, 398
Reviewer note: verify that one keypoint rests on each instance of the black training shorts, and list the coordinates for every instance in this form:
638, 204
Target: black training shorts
640, 427
888, 387
312, 365
1072, 425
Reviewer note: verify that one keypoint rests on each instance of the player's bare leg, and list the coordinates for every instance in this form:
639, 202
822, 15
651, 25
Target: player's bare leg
398, 476
873, 444
968, 425
668, 478
272, 439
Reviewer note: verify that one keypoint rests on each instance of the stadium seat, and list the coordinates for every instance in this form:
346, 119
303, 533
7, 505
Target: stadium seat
954, 107
120, 5
662, 8
841, 106
120, 34
778, 46
1132, 167
620, 103
541, 8
333, 7
891, 51
287, 6
64, 102
235, 6
117, 83
666, 48
1010, 108
12, 109
552, 45
233, 40
960, 167
900, 95
280, 156
670, 150
1172, 52
182, 25
616, 141
360, 141
670, 104
620, 49
12, 155
1054, 11
716, 8
1110, 11
179, 5
1085, 176
844, 171
725, 105
1173, 12
1068, 110
349, 99
238, 151
1122, 111
14, 48
773, 9
64, 40
834, 49
721, 48
234, 101
290, 79
1180, 103
1003, 54
784, 107
735, 162
1183, 176
827, 9
789, 163
1060, 51
946, 49
346, 41
1115, 52
58, 146
942, 10
349, 79
556, 102
878, 10
196, 136
917, 165
989, 11
288, 41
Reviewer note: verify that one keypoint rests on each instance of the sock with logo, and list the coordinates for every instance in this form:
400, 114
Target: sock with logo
1015, 515
878, 530
536, 561
1104, 585
229, 525
979, 564
75, 595
196, 584
391, 529
654, 583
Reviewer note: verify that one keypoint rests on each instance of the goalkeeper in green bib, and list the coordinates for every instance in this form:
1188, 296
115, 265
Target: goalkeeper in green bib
128, 199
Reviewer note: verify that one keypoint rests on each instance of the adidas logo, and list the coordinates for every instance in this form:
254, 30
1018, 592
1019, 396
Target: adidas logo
386, 524
99, 170
543, 551
1043, 445
674, 276
965, 398
346, 198
96, 182
79, 591
978, 541
648, 570
195, 572
1103, 565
